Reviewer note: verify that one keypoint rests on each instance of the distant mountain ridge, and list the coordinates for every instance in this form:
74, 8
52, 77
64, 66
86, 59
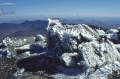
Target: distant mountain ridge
27, 28
105, 24
32, 28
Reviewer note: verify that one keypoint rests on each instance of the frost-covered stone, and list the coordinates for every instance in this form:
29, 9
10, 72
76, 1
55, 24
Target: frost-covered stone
54, 22
101, 32
114, 35
67, 37
97, 54
18, 73
105, 71
92, 46
4, 51
69, 60
39, 38
14, 41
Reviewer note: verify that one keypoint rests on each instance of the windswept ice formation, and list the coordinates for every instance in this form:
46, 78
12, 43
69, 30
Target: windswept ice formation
81, 46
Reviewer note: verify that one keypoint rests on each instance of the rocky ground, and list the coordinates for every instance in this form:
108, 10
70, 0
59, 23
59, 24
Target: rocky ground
8, 66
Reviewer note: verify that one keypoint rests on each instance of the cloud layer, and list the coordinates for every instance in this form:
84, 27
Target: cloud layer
6, 13
7, 3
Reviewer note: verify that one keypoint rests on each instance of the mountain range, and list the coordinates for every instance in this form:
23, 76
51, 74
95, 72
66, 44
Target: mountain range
32, 28
108, 24
27, 28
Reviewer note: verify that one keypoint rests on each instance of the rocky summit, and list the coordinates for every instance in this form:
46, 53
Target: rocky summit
69, 52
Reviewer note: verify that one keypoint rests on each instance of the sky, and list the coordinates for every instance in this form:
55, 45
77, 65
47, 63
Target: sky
43, 9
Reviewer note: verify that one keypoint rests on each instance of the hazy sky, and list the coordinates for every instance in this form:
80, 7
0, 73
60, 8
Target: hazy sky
39, 9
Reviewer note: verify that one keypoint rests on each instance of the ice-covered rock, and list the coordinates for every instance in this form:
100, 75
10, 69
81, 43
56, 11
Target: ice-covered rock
4, 51
18, 73
65, 38
96, 54
81, 46
101, 32
118, 47
54, 22
114, 35
14, 41
69, 60
39, 38
34, 47
107, 71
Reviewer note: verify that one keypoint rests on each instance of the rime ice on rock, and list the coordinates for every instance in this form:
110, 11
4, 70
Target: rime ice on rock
39, 38
66, 38
78, 44
14, 41
114, 35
